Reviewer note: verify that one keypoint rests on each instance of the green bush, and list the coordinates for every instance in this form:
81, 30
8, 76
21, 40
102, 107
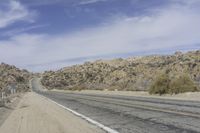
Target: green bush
161, 85
182, 84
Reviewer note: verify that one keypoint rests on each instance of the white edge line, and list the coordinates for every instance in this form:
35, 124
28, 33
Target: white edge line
107, 129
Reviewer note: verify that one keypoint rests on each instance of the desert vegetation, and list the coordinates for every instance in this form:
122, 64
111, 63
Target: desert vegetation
182, 84
10, 76
131, 74
164, 84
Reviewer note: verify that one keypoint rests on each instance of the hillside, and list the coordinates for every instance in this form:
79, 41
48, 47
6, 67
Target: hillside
136, 73
10, 76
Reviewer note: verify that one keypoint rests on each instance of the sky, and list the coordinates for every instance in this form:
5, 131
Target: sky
41, 35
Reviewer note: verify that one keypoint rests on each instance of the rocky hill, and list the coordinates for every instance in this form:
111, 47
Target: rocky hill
12, 77
135, 73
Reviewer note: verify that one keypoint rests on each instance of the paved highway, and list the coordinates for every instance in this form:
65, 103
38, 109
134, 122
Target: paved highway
128, 114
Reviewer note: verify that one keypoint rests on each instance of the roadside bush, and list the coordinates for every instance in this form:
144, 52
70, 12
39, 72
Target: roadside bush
160, 85
182, 84
163, 85
20, 79
78, 88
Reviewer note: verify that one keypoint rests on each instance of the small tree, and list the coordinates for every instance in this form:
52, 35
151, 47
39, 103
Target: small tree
182, 84
160, 85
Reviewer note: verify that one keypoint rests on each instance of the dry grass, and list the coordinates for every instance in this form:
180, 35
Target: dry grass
160, 85
164, 85
182, 84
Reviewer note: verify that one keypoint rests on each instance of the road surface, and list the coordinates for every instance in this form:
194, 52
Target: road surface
36, 114
127, 114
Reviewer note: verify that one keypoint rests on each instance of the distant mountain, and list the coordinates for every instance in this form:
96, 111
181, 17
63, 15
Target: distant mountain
12, 77
135, 73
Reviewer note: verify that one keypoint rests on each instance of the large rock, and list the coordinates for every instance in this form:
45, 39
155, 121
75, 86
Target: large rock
10, 76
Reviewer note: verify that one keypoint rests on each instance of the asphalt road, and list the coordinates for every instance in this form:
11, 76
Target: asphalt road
128, 114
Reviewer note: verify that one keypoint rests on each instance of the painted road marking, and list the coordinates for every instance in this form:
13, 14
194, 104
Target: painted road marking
105, 128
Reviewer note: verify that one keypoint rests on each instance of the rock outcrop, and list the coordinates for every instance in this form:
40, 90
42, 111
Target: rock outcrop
135, 73
12, 77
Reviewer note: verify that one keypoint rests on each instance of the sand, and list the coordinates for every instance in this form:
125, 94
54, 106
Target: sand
35, 114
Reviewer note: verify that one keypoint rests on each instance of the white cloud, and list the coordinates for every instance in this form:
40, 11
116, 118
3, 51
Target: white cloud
86, 2
165, 29
12, 32
13, 12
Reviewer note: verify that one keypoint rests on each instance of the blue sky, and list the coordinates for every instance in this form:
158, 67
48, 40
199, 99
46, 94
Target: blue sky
42, 35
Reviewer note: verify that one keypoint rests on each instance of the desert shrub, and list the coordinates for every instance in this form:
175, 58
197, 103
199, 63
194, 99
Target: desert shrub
113, 87
78, 88
20, 79
160, 85
182, 84
163, 85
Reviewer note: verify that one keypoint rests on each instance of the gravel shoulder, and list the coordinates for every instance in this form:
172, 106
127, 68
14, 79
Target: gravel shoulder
128, 112
5, 110
35, 114
190, 96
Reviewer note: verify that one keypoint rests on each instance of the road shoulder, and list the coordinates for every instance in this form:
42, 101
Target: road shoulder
6, 109
189, 96
36, 114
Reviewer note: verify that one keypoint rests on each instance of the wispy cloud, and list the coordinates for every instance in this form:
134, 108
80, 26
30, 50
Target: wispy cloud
14, 11
13, 32
174, 27
86, 2
44, 2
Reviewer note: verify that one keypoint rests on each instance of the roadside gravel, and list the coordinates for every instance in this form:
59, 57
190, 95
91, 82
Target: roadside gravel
191, 96
35, 114
6, 109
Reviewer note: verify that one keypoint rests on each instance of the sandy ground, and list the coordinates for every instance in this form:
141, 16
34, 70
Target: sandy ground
35, 114
9, 107
194, 96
